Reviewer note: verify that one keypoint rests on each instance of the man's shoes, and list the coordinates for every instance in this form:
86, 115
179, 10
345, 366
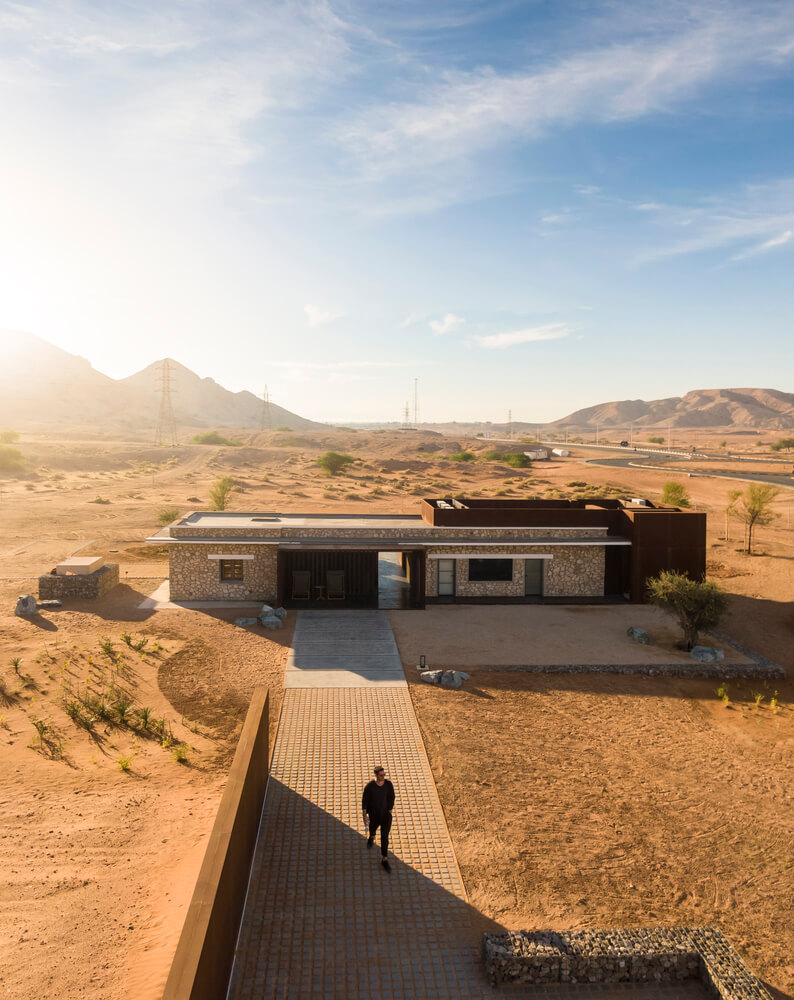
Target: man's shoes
386, 865
370, 842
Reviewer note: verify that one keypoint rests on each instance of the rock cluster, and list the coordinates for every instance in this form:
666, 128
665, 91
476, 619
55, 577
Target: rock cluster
707, 654
638, 635
639, 955
446, 678
268, 617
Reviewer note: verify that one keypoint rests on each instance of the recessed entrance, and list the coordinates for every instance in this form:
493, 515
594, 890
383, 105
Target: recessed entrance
533, 578
339, 578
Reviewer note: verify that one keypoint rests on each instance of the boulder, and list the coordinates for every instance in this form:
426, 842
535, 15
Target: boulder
271, 622
266, 611
431, 676
638, 635
244, 622
280, 613
453, 678
27, 606
707, 654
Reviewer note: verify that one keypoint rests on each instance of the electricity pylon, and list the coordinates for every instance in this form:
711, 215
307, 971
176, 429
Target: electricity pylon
166, 423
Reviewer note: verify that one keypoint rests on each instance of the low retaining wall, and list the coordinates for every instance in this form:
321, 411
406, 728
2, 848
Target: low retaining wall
644, 955
85, 586
205, 952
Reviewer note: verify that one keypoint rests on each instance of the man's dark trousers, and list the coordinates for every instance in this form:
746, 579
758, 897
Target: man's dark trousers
384, 822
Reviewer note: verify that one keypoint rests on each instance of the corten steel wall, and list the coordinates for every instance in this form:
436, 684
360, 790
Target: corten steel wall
203, 960
674, 540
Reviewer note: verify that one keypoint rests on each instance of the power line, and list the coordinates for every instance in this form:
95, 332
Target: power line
166, 422
266, 421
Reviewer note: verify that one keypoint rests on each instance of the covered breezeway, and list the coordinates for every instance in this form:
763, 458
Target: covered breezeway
327, 578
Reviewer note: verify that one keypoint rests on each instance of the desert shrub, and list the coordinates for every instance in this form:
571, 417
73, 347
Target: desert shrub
213, 437
167, 514
11, 459
9, 436
576, 483
99, 499
144, 717
656, 440
125, 762
107, 647
515, 459
282, 427
220, 492
333, 462
675, 494
122, 707
180, 754
696, 604
462, 456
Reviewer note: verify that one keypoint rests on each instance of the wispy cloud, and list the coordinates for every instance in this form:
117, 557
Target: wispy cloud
315, 316
551, 331
666, 62
447, 324
759, 212
776, 241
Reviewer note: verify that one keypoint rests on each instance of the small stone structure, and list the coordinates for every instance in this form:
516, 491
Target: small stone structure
83, 586
643, 955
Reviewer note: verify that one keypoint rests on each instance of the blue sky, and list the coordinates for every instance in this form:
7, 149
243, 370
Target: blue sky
531, 206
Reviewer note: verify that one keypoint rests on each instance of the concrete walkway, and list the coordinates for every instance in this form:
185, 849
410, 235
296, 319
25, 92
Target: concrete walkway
323, 920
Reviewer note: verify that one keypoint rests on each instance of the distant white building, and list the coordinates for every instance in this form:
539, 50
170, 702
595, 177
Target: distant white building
537, 454
560, 452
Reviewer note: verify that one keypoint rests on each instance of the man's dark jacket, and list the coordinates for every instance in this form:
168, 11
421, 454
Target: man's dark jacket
377, 799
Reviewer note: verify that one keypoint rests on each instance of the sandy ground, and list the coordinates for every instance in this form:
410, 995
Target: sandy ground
99, 863
476, 636
601, 801
106, 876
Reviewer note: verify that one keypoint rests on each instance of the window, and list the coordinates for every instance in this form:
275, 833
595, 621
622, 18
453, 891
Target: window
231, 569
490, 569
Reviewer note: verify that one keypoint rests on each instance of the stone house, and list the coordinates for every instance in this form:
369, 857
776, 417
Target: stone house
468, 551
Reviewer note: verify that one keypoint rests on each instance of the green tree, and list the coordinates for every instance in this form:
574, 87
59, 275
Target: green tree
332, 462
752, 507
675, 494
167, 514
696, 604
783, 444
220, 492
462, 456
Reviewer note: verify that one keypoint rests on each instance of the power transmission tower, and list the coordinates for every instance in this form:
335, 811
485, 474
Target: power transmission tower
416, 403
407, 415
166, 423
266, 421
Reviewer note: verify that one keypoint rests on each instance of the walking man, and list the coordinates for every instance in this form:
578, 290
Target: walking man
377, 803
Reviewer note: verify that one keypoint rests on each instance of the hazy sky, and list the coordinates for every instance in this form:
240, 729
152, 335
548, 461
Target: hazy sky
528, 205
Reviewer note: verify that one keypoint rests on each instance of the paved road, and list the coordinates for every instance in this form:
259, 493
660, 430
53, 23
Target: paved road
639, 459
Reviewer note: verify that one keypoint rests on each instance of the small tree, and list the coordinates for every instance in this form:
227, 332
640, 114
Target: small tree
332, 462
783, 443
752, 507
167, 514
220, 492
8, 436
696, 604
675, 494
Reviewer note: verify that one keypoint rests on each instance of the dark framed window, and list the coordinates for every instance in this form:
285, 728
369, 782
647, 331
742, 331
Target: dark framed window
231, 569
490, 569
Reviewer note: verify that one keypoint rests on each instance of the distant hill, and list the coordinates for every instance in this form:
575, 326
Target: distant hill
42, 385
767, 409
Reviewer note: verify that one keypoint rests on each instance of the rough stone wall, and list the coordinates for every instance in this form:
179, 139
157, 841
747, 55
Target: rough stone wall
293, 531
574, 571
84, 586
641, 955
196, 577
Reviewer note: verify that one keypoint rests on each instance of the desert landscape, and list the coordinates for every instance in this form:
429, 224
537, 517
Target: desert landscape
675, 807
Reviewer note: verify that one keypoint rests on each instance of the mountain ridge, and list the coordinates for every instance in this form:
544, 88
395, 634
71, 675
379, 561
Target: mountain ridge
41, 384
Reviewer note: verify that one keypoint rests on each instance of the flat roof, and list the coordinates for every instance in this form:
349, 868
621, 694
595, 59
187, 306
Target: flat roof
268, 519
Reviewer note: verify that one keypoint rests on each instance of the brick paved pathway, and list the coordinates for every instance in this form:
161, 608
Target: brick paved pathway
323, 920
